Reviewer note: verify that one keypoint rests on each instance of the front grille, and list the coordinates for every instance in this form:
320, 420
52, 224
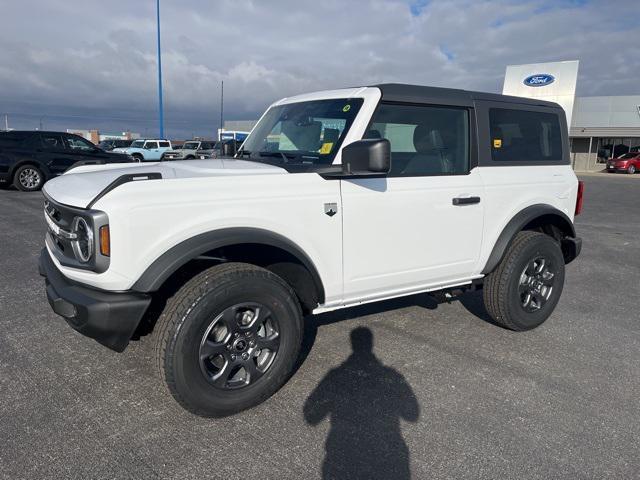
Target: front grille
59, 219
60, 234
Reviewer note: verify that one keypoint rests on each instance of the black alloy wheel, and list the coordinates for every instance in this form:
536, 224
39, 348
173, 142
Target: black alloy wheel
536, 284
239, 346
28, 178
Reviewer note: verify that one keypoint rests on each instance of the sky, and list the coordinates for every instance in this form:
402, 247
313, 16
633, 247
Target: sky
92, 63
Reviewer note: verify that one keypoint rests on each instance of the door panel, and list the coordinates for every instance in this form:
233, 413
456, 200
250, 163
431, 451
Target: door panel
421, 226
406, 234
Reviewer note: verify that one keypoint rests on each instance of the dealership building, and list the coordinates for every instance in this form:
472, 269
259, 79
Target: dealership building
599, 127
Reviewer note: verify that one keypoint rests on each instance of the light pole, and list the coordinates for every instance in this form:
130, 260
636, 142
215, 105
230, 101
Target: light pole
160, 107
221, 110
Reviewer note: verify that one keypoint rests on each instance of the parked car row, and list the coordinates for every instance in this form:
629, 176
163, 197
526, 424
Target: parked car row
30, 158
190, 150
202, 150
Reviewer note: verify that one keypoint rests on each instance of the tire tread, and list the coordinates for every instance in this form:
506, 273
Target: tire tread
180, 304
497, 282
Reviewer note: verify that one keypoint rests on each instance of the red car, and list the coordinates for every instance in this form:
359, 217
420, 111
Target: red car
629, 162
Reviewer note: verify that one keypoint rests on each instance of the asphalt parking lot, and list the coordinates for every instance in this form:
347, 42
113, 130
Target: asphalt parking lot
444, 394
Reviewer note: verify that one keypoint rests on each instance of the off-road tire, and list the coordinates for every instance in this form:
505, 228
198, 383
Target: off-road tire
500, 291
138, 157
20, 178
187, 316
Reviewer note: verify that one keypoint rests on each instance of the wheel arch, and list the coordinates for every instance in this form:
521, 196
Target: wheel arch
540, 217
278, 253
29, 161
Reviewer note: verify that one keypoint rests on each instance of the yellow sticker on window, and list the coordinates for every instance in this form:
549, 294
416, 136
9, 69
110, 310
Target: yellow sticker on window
326, 148
497, 143
346, 108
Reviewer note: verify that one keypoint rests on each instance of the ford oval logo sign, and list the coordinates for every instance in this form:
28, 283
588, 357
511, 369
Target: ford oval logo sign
539, 80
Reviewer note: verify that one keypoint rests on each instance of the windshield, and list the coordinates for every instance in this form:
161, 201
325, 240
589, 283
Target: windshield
191, 145
137, 144
301, 136
629, 155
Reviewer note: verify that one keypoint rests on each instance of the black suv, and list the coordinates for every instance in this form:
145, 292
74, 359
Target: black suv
30, 158
108, 145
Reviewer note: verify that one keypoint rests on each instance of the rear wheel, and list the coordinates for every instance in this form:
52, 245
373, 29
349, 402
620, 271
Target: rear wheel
228, 339
28, 178
522, 292
631, 170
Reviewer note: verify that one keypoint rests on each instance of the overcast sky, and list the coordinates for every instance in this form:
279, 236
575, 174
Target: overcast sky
92, 63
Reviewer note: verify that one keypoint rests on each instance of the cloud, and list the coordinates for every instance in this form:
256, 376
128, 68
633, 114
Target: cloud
93, 64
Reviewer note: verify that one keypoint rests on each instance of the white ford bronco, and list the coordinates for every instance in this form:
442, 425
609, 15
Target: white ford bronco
335, 199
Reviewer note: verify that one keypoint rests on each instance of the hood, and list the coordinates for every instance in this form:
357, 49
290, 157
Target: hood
80, 185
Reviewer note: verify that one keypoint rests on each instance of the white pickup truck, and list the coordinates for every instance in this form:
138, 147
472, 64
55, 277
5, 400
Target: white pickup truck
336, 198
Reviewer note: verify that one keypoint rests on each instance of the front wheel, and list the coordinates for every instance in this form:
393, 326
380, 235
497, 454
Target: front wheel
631, 170
522, 292
228, 339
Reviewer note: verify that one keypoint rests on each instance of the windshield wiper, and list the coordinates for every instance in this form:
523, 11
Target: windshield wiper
266, 153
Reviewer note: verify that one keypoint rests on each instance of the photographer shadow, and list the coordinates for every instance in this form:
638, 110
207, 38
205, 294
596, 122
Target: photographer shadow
365, 401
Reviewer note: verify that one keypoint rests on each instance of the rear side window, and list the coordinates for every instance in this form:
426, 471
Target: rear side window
151, 145
164, 144
12, 139
52, 140
524, 136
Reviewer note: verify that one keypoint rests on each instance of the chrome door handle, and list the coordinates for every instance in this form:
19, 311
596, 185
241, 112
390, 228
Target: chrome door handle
465, 200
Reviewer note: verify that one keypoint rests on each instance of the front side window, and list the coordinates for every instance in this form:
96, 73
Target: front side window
138, 144
524, 136
301, 136
77, 143
425, 140
191, 145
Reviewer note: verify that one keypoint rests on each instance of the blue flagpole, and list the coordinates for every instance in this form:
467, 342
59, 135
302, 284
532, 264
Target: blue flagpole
160, 74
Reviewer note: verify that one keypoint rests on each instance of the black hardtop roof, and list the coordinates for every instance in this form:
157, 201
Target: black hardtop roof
400, 92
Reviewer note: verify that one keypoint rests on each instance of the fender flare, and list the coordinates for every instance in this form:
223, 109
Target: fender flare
178, 255
518, 222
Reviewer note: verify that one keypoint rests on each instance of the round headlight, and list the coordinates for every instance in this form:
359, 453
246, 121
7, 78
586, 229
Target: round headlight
83, 244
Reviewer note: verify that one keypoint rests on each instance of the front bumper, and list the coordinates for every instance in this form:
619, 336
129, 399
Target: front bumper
614, 168
110, 318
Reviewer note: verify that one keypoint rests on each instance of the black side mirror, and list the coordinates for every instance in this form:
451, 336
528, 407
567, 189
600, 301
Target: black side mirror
367, 157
